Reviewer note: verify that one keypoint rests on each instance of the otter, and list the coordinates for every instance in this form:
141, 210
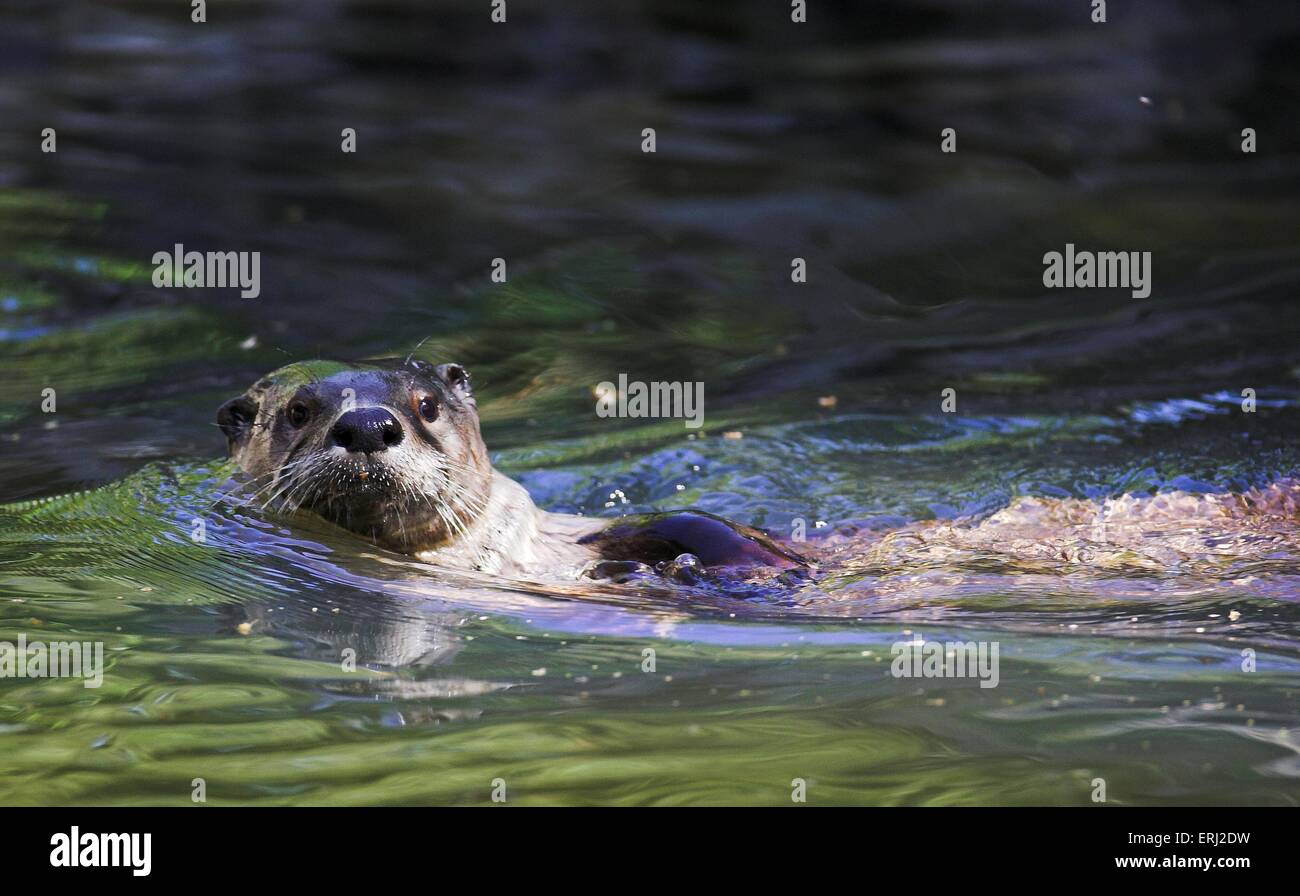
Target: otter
392, 452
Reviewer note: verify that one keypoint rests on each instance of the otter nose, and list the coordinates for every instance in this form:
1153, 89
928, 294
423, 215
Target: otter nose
367, 430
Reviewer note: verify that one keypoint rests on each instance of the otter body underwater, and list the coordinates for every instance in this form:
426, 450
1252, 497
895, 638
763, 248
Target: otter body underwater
394, 454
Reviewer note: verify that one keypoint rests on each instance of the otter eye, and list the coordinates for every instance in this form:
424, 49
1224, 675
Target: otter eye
298, 413
428, 409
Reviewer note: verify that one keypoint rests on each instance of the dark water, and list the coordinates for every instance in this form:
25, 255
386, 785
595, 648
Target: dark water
775, 141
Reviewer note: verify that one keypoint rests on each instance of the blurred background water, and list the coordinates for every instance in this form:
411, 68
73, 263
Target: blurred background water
775, 141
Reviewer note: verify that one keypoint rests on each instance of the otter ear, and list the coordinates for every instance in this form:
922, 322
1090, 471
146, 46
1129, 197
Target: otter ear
457, 378
236, 417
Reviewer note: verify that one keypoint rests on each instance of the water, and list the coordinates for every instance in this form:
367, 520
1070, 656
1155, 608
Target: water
224, 658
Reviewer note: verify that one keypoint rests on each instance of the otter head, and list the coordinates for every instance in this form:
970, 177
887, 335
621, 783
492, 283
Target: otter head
391, 453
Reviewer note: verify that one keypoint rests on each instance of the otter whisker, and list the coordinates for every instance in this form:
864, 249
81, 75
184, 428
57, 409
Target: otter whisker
248, 498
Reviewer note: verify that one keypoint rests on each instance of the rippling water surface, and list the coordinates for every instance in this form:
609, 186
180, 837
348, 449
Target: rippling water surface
1121, 651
